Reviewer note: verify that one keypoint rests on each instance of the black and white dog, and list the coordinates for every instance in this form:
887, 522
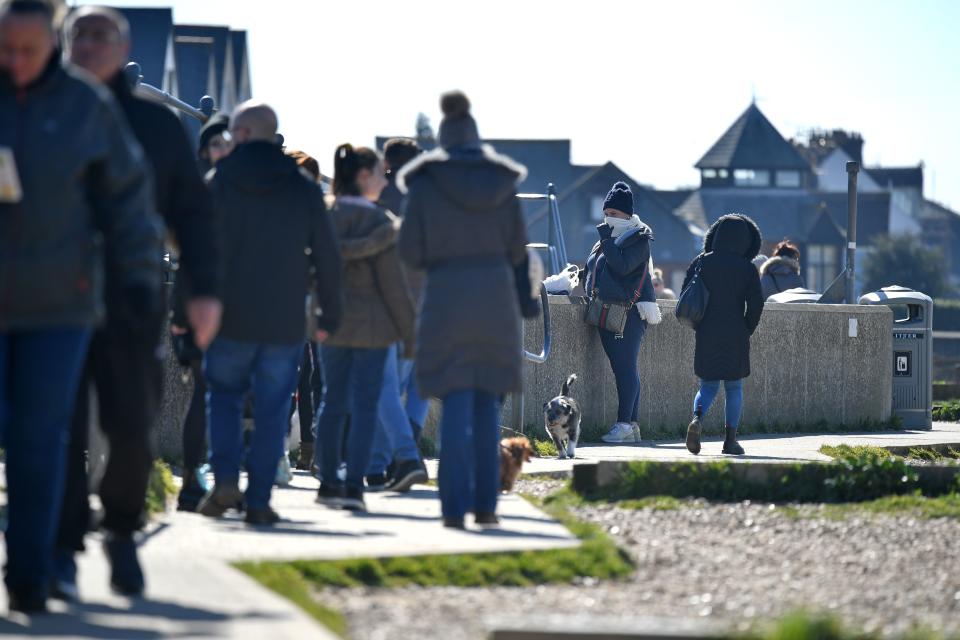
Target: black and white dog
562, 420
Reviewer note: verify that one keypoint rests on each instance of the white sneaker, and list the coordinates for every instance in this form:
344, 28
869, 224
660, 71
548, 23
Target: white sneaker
621, 432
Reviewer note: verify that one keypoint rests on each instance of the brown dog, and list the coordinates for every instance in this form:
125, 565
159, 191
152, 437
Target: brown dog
513, 453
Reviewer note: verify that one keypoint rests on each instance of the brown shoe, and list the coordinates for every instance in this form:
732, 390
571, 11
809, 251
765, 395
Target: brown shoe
221, 499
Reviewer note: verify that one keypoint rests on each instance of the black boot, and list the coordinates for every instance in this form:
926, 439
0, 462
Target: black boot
693, 434
126, 576
305, 461
191, 493
730, 444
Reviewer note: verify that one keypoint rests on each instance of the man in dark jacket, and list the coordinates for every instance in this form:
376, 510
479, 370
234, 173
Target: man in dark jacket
270, 214
83, 179
123, 362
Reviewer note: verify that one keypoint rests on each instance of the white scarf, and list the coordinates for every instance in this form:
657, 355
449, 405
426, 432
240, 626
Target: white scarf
620, 226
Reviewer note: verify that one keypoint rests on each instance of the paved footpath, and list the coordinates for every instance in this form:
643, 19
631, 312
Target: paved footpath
194, 592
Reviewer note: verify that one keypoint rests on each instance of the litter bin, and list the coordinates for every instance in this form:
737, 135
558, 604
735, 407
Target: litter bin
795, 296
912, 359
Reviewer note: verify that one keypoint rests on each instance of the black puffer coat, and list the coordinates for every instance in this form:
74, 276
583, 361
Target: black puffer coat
723, 336
463, 225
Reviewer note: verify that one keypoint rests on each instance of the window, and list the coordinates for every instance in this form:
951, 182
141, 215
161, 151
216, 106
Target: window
722, 173
788, 178
709, 174
823, 265
751, 178
596, 208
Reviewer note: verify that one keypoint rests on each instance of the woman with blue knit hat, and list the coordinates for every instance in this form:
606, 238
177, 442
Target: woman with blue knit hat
618, 271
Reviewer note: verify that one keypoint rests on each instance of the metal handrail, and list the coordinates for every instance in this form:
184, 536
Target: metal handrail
557, 246
149, 92
547, 334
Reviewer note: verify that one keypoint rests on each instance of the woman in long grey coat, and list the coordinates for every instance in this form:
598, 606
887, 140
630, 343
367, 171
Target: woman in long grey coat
464, 227
733, 313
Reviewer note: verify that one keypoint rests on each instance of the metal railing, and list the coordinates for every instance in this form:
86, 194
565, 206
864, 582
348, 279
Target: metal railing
556, 246
556, 251
202, 112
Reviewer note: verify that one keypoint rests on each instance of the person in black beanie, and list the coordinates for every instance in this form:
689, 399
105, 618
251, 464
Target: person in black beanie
618, 270
215, 143
464, 227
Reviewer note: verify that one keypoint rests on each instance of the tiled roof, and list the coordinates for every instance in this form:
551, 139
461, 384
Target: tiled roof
752, 142
150, 35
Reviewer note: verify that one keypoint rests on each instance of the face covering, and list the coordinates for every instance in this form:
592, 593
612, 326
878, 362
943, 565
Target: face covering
621, 226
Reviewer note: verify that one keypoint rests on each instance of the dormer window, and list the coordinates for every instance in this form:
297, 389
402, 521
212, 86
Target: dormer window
751, 178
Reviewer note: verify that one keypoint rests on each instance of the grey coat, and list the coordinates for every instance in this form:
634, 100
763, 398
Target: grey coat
464, 226
87, 202
779, 274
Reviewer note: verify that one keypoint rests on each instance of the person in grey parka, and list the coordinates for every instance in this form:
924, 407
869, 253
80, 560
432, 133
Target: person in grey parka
464, 227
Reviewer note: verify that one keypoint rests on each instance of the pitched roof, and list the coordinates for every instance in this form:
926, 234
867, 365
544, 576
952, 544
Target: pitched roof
150, 31
897, 176
673, 198
752, 142
789, 214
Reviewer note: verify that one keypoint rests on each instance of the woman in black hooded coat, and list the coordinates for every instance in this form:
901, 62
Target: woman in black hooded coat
732, 315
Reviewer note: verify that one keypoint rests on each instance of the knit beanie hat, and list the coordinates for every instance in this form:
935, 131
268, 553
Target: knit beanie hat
217, 124
458, 128
620, 198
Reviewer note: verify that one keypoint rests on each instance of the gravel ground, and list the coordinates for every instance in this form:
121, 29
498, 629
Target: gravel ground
729, 562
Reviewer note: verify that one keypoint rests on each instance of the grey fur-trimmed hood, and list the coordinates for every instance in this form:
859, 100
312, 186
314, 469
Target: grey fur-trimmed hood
780, 264
475, 178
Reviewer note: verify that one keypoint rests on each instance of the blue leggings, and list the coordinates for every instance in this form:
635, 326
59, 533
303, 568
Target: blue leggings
708, 392
623, 351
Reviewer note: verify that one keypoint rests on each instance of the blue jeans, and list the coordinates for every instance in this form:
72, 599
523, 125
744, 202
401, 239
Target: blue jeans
231, 369
470, 458
708, 392
417, 406
353, 379
393, 439
39, 373
623, 352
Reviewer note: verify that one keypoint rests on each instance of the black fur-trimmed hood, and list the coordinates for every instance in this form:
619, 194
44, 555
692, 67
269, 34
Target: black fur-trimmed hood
735, 233
780, 264
474, 178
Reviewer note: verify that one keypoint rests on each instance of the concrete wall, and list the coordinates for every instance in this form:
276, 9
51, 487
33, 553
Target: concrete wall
807, 373
806, 369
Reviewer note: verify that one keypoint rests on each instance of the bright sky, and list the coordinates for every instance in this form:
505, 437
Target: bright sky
648, 85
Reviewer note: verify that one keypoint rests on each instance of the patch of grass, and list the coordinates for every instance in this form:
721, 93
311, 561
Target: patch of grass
655, 503
160, 488
846, 451
289, 583
804, 626
545, 448
850, 479
947, 506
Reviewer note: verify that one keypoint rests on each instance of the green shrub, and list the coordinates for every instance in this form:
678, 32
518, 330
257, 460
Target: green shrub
545, 448
948, 411
160, 488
